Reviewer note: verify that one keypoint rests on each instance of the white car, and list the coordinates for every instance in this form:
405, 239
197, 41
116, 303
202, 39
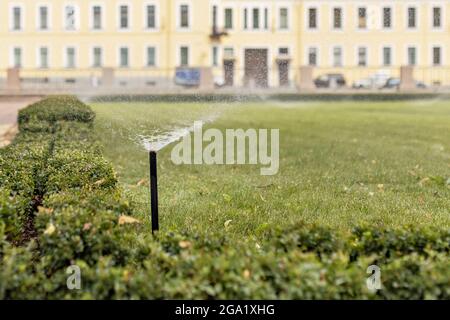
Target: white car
376, 81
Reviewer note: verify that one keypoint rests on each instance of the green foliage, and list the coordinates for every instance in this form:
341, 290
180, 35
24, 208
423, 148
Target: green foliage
56, 108
55, 176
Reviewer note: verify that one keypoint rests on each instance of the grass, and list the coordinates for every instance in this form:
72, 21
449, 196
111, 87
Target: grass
341, 164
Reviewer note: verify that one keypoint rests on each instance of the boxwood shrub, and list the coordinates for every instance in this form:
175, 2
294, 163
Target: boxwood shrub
58, 189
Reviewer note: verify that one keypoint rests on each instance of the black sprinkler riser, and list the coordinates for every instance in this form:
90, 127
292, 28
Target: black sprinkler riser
154, 190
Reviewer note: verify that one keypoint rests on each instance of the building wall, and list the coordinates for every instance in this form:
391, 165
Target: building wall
167, 37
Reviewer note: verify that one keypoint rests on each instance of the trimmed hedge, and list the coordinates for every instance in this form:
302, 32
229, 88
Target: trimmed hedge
60, 205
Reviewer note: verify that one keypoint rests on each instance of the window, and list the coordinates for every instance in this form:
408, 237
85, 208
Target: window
284, 51
96, 17
151, 16
184, 16
215, 56
43, 57
245, 18
437, 17
312, 18
284, 18
97, 54
124, 18
43, 18
362, 56
70, 57
151, 56
362, 18
17, 19
124, 57
312, 56
337, 57
266, 18
412, 56
255, 18
387, 18
70, 18
387, 56
437, 57
412, 19
17, 56
228, 18
337, 18
228, 52
184, 56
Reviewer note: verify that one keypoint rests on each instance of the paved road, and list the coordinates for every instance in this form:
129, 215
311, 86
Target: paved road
9, 107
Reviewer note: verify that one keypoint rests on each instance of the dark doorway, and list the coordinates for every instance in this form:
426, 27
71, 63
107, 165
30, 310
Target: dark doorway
228, 66
256, 68
283, 72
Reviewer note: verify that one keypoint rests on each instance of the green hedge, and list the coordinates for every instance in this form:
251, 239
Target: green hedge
60, 205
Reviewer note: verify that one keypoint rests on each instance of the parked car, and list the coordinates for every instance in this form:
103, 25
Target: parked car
330, 80
374, 81
394, 83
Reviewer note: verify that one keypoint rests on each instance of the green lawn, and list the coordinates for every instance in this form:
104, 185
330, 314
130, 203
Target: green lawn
341, 164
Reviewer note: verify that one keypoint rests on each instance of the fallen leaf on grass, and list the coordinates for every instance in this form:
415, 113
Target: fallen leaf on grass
227, 223
99, 182
43, 210
50, 229
123, 219
184, 244
142, 182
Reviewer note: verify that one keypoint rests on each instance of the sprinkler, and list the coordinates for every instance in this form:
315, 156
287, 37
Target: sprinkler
154, 190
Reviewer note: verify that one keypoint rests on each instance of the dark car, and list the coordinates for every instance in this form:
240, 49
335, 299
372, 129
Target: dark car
330, 80
394, 83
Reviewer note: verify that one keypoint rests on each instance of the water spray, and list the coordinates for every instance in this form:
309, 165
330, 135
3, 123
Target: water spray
154, 190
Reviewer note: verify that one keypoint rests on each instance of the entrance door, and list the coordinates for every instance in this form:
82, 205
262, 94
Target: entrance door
256, 68
228, 66
283, 70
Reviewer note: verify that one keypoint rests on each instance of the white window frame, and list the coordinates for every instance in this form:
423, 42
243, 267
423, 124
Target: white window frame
38, 16
307, 27
317, 56
441, 47
233, 17
179, 55
407, 54
278, 17
157, 16
119, 57
358, 28
383, 6
367, 56
38, 57
65, 56
91, 16
77, 16
333, 65
12, 57
443, 16
178, 15
151, 45
92, 56
391, 47
417, 17
12, 6
342, 18
130, 16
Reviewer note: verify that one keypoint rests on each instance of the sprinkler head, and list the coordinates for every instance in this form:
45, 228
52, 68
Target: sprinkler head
154, 190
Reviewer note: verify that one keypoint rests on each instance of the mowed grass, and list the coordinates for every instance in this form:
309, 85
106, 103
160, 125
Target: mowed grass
341, 164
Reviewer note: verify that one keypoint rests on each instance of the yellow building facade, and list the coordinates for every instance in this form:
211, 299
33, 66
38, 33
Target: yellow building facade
251, 43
